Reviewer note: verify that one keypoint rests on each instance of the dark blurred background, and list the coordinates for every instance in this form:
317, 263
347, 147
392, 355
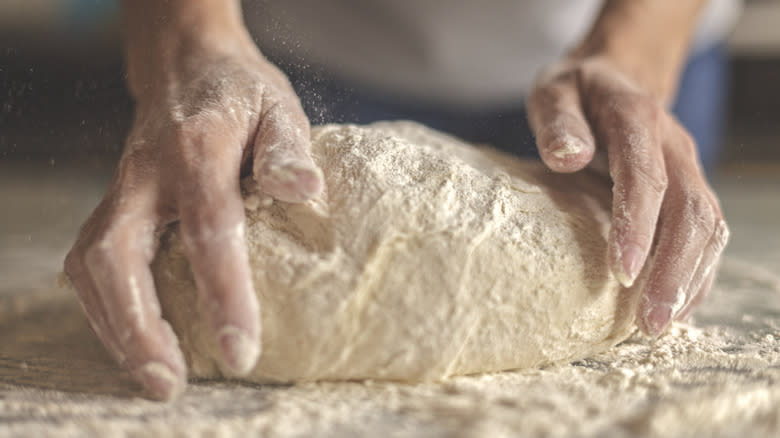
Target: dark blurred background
63, 97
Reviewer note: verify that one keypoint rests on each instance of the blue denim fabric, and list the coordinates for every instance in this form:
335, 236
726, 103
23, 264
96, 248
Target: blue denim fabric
702, 99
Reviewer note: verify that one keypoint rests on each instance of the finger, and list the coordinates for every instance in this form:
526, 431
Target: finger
706, 287
705, 273
90, 302
118, 265
212, 226
688, 224
563, 135
216, 249
283, 166
636, 166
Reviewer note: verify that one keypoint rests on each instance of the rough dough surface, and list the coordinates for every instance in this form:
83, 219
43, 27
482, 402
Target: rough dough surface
424, 258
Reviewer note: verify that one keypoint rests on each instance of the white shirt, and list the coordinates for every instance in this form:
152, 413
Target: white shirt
456, 52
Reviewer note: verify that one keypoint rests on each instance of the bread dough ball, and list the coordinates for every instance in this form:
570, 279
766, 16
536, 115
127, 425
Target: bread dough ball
424, 257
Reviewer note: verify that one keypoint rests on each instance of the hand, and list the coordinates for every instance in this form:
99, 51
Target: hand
212, 113
665, 217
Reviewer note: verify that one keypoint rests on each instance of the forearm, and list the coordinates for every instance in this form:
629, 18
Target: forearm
647, 39
159, 33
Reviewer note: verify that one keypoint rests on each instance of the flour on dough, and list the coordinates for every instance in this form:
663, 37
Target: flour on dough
423, 258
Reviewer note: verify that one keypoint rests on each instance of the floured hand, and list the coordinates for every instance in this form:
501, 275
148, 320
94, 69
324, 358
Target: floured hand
212, 112
664, 213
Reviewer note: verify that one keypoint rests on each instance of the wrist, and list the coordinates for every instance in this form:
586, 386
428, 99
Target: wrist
162, 38
646, 39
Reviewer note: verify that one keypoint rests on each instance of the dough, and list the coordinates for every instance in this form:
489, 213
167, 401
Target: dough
424, 258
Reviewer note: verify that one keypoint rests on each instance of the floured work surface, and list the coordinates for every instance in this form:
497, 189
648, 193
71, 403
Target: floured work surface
718, 379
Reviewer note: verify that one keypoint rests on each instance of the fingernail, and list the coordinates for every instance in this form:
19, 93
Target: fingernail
566, 146
309, 181
239, 351
629, 264
158, 379
656, 319
294, 181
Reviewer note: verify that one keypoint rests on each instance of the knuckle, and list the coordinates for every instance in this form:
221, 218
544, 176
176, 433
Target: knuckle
721, 235
220, 89
101, 252
551, 88
687, 143
203, 152
698, 209
653, 178
537, 101
193, 134
188, 134
543, 95
74, 262
111, 231
626, 103
626, 109
562, 125
273, 76
115, 243
208, 226
133, 331
651, 107
681, 141
274, 110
